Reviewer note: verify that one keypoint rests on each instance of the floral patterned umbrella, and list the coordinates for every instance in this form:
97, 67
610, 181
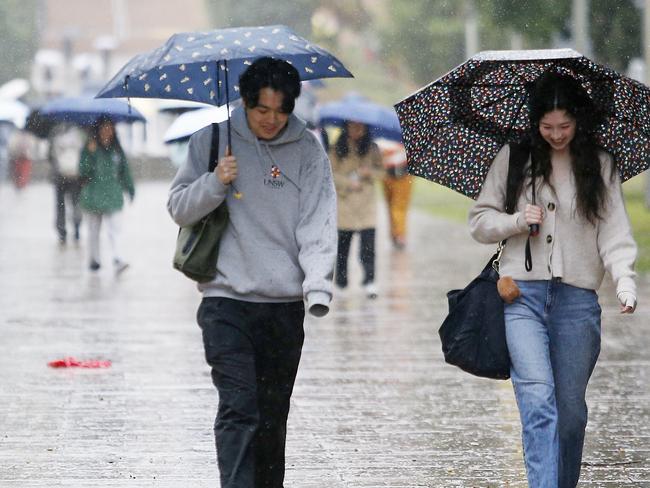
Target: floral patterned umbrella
454, 127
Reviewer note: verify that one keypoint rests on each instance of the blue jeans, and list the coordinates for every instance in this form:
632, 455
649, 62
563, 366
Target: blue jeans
553, 335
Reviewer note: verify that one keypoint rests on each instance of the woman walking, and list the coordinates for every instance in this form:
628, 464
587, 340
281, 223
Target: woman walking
105, 171
571, 190
356, 164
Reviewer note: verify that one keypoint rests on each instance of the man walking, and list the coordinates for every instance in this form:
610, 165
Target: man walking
66, 143
279, 249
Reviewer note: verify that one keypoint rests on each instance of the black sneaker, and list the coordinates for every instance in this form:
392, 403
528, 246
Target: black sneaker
94, 265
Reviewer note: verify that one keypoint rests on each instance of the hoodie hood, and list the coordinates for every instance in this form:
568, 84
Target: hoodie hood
291, 133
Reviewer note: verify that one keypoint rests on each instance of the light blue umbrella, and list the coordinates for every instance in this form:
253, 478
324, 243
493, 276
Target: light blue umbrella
381, 121
85, 111
205, 66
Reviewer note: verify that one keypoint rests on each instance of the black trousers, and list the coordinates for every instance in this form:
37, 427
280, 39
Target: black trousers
253, 350
366, 256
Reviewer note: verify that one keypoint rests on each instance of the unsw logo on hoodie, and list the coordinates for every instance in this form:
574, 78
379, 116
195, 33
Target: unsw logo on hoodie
274, 181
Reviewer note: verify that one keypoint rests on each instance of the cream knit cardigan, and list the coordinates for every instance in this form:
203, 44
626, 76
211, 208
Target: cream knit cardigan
568, 246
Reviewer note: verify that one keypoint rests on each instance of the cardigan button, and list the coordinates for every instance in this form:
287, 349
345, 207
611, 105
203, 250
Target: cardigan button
551, 206
549, 238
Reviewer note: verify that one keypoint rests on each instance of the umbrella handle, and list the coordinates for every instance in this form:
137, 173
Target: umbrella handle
534, 230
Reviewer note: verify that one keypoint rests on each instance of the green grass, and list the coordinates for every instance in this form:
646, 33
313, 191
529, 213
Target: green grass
640, 218
442, 202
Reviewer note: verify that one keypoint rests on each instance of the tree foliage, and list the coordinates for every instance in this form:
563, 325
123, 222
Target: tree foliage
615, 25
616, 32
295, 14
427, 36
537, 22
18, 38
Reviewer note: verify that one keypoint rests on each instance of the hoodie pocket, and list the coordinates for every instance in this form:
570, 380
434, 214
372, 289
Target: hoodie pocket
272, 274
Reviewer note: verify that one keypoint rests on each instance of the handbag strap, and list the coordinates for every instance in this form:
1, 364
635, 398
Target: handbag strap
518, 155
214, 148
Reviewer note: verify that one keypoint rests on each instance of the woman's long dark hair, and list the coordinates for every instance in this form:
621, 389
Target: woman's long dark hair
93, 134
554, 91
343, 143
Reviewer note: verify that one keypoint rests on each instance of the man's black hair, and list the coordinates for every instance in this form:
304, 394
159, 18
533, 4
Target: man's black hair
270, 73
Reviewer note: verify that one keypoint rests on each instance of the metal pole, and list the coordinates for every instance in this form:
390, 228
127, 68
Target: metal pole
580, 14
645, 38
471, 29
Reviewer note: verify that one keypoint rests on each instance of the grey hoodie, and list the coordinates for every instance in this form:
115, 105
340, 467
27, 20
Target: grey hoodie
280, 243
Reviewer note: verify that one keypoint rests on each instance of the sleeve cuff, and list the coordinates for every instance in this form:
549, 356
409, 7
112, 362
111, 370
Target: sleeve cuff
626, 284
520, 222
318, 303
219, 188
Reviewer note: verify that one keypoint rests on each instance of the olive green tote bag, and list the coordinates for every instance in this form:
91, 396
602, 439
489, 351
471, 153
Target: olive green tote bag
197, 246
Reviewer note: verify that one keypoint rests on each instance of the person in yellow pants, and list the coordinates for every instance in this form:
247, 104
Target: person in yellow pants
397, 189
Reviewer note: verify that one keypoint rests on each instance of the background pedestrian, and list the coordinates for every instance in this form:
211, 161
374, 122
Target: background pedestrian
397, 184
356, 164
105, 172
66, 142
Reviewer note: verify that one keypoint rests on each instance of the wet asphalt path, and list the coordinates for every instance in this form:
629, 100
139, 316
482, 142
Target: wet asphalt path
374, 404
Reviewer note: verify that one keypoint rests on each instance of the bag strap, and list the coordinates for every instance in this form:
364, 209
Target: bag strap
518, 155
214, 148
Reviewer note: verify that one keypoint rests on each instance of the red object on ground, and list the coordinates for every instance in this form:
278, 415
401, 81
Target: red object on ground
75, 363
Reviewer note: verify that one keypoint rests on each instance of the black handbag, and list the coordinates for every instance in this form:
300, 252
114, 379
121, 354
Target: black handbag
197, 245
474, 333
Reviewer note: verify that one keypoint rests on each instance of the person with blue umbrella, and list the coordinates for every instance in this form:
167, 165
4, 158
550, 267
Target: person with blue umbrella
276, 254
64, 121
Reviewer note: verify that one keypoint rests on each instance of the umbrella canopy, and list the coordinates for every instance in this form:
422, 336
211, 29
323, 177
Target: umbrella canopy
190, 122
178, 107
454, 127
382, 121
14, 111
193, 66
85, 111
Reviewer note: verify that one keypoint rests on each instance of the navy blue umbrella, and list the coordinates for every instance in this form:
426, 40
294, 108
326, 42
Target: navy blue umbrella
382, 121
85, 111
205, 66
